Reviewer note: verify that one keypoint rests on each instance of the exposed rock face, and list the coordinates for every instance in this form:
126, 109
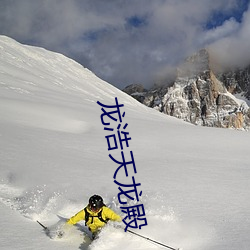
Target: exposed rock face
199, 97
237, 81
137, 91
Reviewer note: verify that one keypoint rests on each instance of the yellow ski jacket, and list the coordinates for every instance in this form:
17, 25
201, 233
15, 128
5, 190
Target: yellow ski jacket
94, 223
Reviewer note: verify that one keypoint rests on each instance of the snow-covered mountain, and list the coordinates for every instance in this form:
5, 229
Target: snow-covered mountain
201, 95
237, 81
54, 155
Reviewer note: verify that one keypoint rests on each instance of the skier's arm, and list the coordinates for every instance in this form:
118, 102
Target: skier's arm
77, 217
110, 214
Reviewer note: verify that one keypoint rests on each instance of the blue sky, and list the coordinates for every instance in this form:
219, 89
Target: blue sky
218, 17
132, 41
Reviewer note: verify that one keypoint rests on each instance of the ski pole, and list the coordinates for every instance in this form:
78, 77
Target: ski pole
152, 240
45, 228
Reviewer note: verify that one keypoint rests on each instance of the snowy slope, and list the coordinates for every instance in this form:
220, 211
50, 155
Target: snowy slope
195, 180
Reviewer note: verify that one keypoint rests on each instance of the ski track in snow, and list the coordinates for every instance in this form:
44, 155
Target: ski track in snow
31, 204
39, 204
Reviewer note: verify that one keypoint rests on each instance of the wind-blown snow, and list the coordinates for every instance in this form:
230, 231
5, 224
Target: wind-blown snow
195, 180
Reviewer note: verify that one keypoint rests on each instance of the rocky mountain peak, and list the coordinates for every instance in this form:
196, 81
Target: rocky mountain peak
196, 64
200, 96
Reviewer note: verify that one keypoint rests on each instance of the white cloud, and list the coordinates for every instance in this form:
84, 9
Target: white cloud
233, 50
97, 32
228, 28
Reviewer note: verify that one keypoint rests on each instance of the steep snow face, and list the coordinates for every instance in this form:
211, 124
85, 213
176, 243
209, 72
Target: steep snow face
54, 155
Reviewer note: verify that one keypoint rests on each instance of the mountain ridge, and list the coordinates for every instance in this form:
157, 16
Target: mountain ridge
201, 95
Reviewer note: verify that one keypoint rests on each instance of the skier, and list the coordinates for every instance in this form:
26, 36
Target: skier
95, 214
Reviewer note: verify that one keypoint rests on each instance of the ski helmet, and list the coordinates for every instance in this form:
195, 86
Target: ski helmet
95, 202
